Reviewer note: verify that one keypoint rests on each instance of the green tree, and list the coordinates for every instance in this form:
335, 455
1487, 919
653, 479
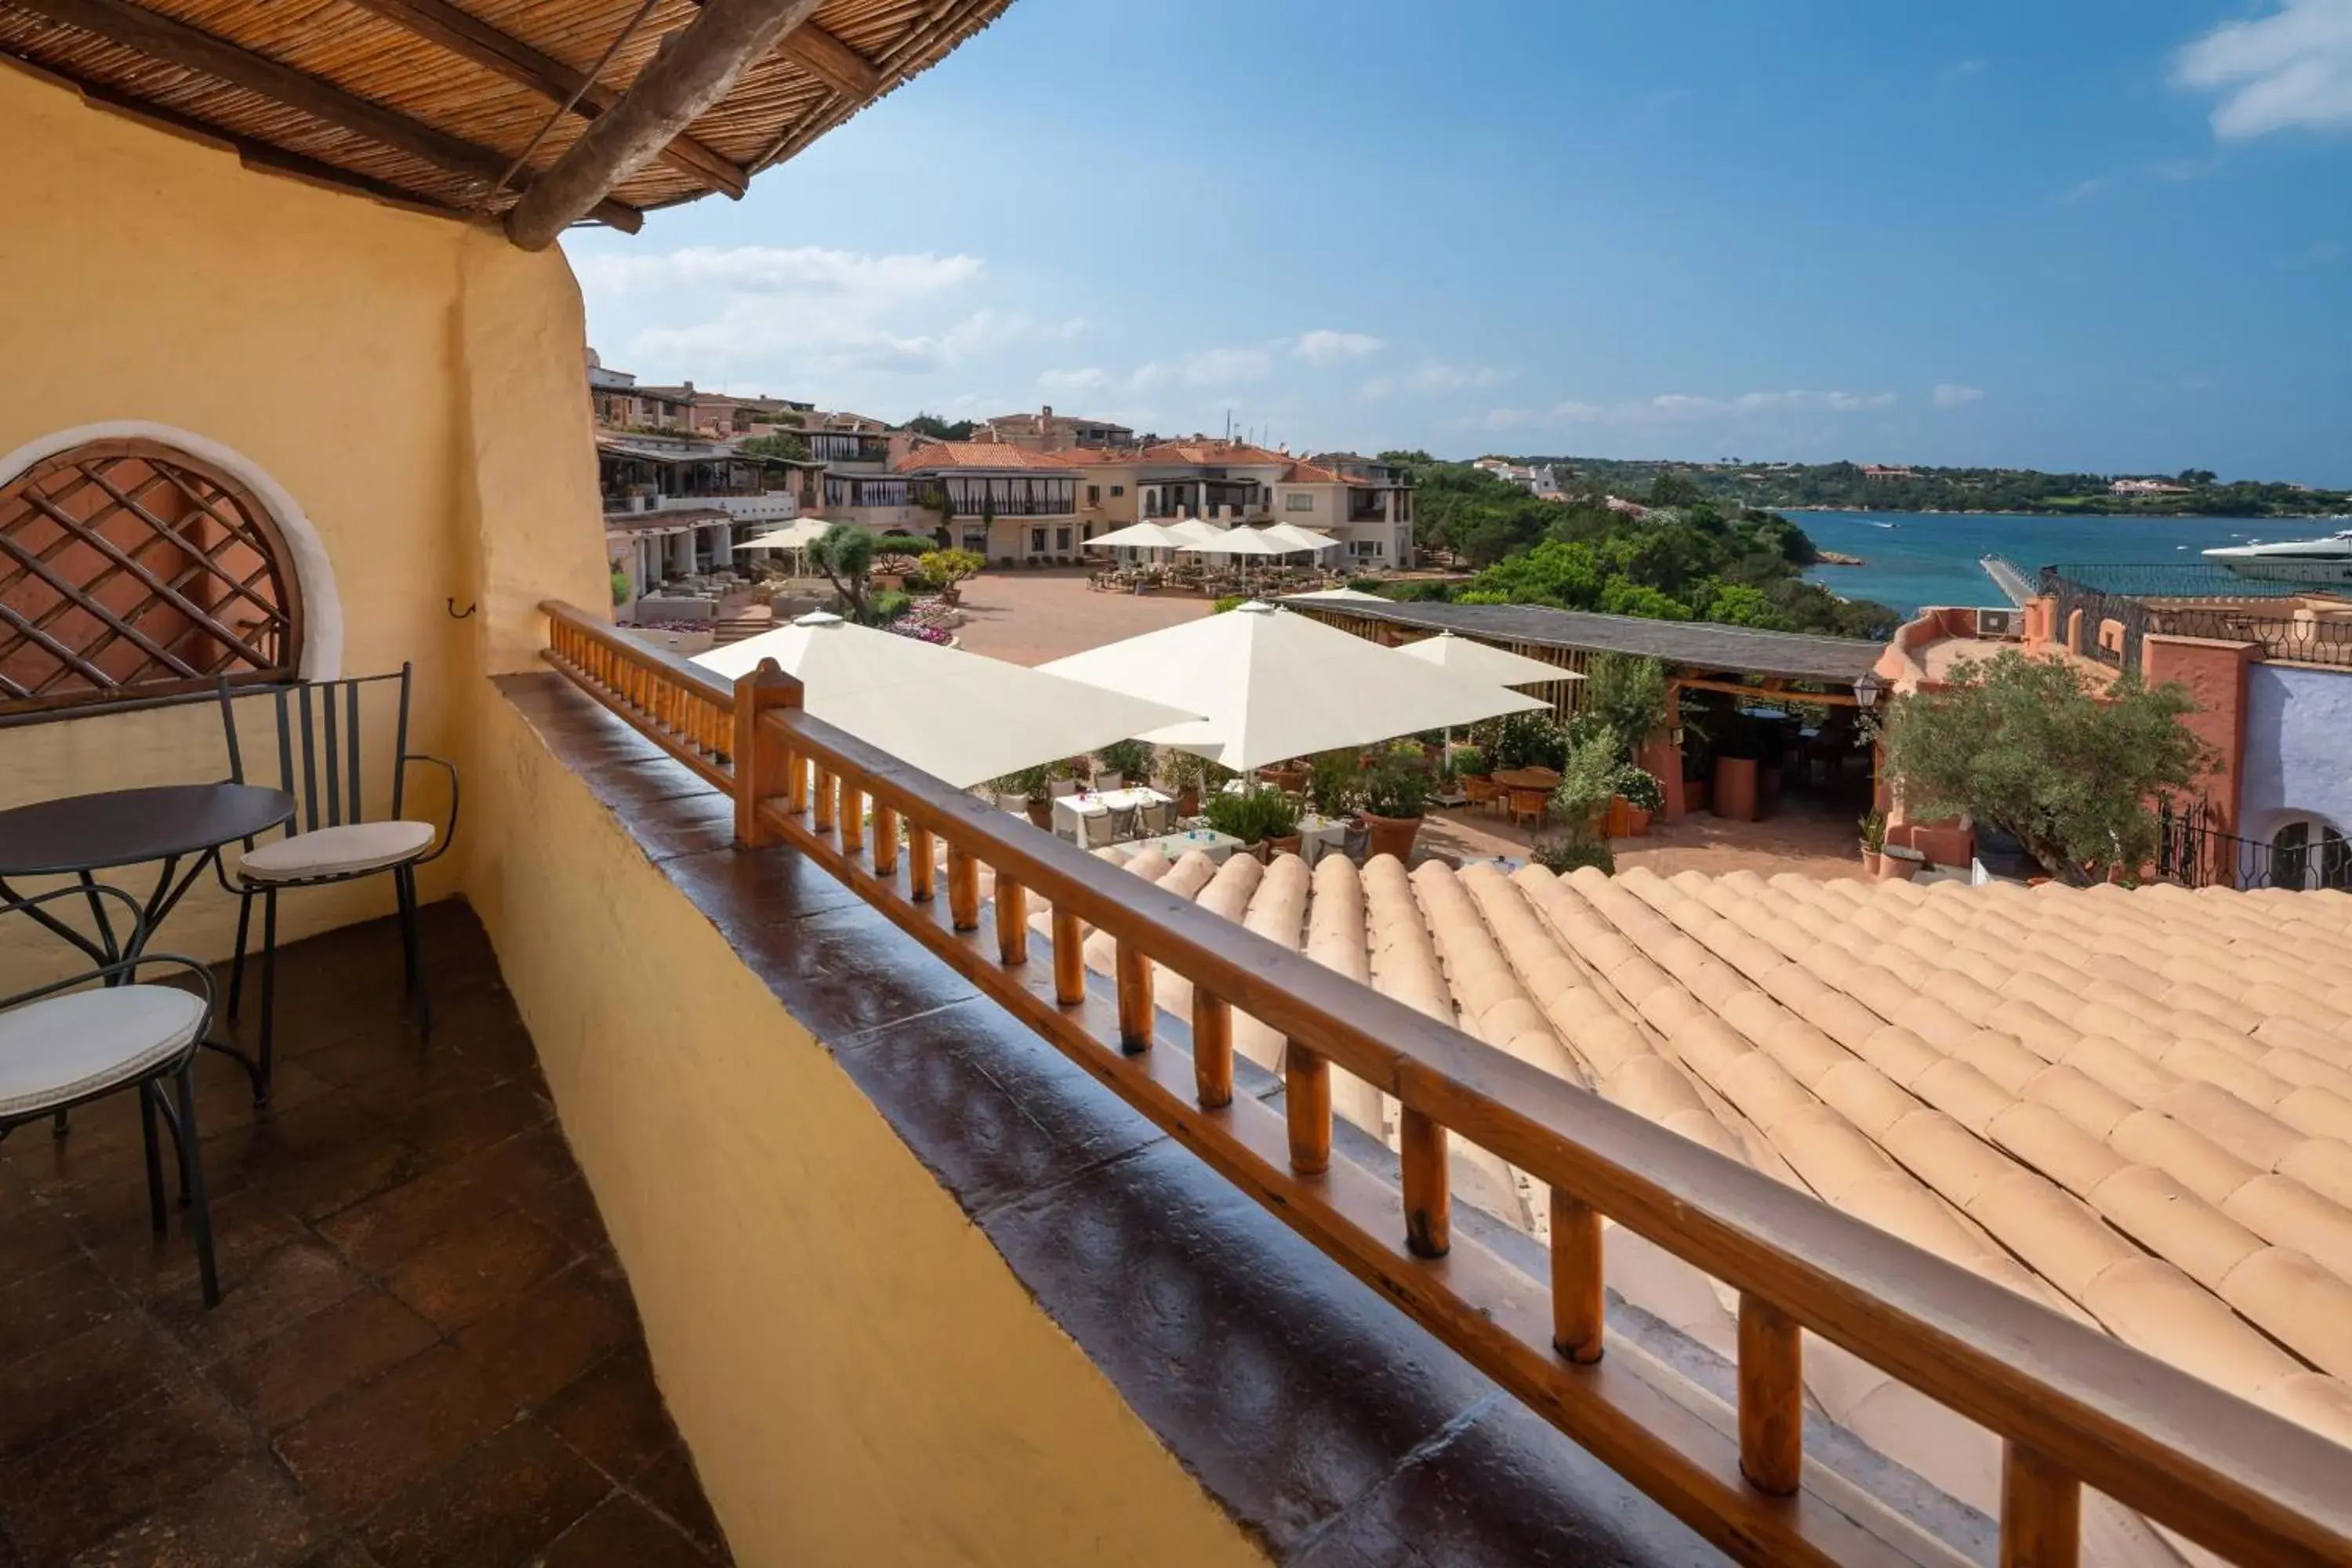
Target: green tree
844, 553
791, 446
2033, 747
1626, 695
1622, 597
931, 424
1674, 490
1556, 573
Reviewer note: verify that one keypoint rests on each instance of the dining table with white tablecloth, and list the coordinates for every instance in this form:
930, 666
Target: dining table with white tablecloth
1091, 817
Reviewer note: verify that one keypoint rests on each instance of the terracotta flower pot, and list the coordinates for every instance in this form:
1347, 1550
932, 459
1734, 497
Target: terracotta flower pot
1040, 812
1869, 859
1735, 788
1392, 835
1899, 864
1637, 822
1267, 848
1188, 802
1615, 825
1694, 792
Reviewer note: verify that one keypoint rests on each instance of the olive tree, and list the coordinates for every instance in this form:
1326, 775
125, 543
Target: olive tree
844, 553
2034, 748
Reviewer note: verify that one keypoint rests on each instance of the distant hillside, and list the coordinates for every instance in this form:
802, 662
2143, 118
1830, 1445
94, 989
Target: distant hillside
1773, 486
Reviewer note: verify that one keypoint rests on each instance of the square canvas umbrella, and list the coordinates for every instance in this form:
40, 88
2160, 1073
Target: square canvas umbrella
1274, 684
960, 717
1295, 539
1135, 536
1325, 595
1191, 530
1238, 542
797, 535
1499, 667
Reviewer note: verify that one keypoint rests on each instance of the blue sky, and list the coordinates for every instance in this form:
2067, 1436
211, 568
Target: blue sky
2113, 235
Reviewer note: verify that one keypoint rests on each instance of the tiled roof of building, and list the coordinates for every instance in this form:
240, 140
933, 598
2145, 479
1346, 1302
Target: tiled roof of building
2135, 1108
1703, 644
938, 455
1214, 453
1312, 474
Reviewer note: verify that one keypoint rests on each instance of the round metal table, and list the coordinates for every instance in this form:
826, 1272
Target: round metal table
83, 835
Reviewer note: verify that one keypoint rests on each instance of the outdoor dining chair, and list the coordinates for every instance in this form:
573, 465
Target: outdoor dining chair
63, 1045
330, 838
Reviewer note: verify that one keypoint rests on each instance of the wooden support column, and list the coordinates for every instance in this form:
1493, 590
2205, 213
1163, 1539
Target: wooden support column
2041, 1512
763, 757
1578, 1296
1772, 1397
1428, 1196
696, 67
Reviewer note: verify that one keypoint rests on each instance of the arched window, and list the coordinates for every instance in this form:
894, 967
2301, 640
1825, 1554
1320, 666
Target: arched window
2309, 853
129, 570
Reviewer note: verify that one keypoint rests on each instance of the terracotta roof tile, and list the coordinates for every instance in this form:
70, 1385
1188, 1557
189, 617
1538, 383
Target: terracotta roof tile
938, 456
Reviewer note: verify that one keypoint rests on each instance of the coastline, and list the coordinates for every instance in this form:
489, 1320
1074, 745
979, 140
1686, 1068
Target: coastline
2063, 511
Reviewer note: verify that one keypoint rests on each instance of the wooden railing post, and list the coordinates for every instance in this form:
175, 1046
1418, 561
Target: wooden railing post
885, 841
1011, 921
762, 752
821, 813
1772, 1396
2041, 1512
1133, 967
1069, 958
1428, 1197
1213, 1047
963, 888
1306, 1106
1579, 1294
853, 818
922, 864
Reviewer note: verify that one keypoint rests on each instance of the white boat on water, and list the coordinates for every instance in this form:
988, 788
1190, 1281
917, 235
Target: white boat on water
2328, 560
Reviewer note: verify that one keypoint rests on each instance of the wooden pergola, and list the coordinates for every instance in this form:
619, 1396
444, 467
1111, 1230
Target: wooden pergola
536, 113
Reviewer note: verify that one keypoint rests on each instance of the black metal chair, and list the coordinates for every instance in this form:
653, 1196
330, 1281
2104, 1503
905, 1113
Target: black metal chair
330, 838
63, 1045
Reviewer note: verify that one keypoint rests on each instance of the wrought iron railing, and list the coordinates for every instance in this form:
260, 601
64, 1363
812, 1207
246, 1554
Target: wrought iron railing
2074, 1407
2302, 638
2193, 853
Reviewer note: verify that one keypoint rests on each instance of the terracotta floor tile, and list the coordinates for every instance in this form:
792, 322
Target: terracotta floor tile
284, 1378
271, 1293
672, 1487
613, 1417
81, 1379
347, 1554
535, 1346
500, 1504
462, 1121
490, 1263
251, 1516
39, 1311
569, 1209
382, 1232
623, 1532
359, 1450
35, 1238
79, 1490
247, 1225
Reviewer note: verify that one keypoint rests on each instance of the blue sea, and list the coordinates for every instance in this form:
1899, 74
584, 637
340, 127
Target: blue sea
1930, 558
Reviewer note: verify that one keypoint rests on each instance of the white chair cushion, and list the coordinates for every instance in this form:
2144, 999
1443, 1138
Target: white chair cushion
56, 1050
338, 851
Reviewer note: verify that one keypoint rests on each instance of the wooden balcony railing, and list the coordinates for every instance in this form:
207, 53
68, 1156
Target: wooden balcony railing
2074, 1407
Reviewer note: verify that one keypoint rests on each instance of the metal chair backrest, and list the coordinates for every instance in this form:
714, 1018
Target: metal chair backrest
321, 762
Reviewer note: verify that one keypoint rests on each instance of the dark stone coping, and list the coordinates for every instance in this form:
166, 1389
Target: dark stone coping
1331, 1427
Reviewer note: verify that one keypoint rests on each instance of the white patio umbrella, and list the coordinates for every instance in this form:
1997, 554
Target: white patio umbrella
1296, 539
959, 716
1498, 667
1193, 529
796, 535
1135, 536
1325, 595
1237, 541
1275, 684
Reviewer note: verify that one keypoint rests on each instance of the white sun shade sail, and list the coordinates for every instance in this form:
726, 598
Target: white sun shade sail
1275, 684
958, 715
797, 535
1238, 542
1295, 539
1496, 666
1135, 536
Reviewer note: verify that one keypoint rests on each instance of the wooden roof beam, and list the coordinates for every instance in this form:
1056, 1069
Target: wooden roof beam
178, 43
694, 69
465, 35
827, 56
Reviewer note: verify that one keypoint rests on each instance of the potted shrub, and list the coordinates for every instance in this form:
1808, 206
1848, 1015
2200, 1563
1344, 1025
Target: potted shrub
1561, 855
1035, 787
1433, 746
1332, 782
1639, 795
1128, 761
1395, 795
1182, 774
1874, 839
1265, 820
947, 571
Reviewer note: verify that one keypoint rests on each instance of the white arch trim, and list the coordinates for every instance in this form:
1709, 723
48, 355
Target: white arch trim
322, 606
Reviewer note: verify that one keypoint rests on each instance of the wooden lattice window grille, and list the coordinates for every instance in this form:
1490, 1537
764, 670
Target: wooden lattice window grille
130, 569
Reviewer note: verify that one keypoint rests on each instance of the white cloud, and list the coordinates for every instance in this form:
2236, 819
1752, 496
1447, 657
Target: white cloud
1205, 367
1324, 346
1950, 395
1088, 380
1683, 408
770, 270
2291, 67
1575, 411
2081, 191
1431, 381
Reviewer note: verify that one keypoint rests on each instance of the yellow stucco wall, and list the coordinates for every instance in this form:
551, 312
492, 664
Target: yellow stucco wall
860, 1376
415, 385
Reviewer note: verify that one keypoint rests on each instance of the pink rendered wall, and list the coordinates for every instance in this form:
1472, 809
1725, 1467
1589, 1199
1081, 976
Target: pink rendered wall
2215, 674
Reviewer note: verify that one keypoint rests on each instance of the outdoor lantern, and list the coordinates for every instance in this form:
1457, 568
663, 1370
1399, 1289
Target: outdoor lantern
1867, 689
